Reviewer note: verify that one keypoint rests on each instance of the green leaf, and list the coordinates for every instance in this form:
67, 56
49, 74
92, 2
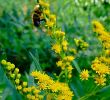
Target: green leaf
76, 66
36, 62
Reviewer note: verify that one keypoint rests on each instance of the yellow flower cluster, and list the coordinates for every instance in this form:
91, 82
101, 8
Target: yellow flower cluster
50, 18
103, 35
101, 65
59, 44
31, 92
57, 48
65, 64
100, 81
97, 26
12, 73
84, 75
60, 90
81, 44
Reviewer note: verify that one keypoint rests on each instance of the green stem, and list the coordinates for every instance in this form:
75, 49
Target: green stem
60, 75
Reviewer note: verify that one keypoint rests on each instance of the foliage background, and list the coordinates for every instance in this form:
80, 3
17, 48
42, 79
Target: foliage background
23, 44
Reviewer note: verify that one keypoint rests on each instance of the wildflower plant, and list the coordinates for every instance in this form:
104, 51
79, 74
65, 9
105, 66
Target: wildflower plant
58, 86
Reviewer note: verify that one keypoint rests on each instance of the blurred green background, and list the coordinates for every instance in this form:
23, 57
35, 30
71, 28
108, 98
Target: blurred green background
23, 44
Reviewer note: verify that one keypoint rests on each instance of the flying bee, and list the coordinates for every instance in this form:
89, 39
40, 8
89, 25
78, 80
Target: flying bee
37, 16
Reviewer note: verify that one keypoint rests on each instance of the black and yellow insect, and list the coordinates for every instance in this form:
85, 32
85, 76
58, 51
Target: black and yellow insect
36, 16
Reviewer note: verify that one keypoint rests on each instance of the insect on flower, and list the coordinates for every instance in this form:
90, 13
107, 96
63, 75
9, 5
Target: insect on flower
37, 16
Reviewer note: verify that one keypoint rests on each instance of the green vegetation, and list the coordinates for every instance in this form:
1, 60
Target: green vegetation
30, 48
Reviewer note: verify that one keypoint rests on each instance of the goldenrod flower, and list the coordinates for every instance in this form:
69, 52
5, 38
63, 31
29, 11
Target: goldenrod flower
8, 63
46, 83
16, 70
52, 17
69, 75
69, 58
12, 66
19, 87
8, 68
18, 75
64, 43
44, 4
72, 50
47, 12
59, 63
29, 96
25, 90
59, 33
3, 62
49, 23
24, 84
12, 76
97, 25
100, 81
17, 81
101, 68
69, 68
56, 48
84, 75
81, 44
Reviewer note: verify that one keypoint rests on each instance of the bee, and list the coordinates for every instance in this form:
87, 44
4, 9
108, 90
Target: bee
37, 16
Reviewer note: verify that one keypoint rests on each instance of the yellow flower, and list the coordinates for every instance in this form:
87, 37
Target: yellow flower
64, 44
8, 63
29, 89
69, 75
29, 96
100, 81
33, 97
4, 62
59, 33
18, 75
17, 81
49, 23
69, 68
47, 12
52, 17
43, 86
55, 87
24, 84
12, 76
12, 66
69, 58
107, 52
8, 68
45, 82
36, 91
59, 63
84, 75
25, 90
97, 25
72, 50
16, 70
56, 48
101, 68
19, 87
44, 4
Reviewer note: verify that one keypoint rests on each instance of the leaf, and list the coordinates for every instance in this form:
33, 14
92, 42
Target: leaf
104, 93
36, 62
76, 66
30, 79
